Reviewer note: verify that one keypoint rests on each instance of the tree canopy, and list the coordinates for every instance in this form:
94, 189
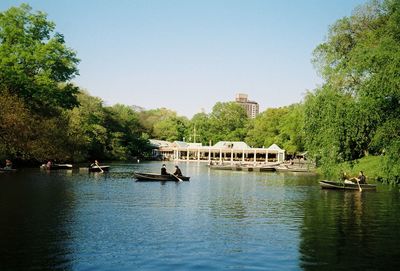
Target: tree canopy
35, 63
356, 111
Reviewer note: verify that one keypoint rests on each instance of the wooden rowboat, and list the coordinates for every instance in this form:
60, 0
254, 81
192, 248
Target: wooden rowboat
56, 166
158, 177
346, 186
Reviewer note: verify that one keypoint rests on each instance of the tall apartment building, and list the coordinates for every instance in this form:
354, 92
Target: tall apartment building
252, 108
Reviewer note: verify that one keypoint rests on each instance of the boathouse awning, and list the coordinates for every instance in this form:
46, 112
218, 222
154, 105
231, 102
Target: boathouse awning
180, 144
274, 147
236, 145
159, 143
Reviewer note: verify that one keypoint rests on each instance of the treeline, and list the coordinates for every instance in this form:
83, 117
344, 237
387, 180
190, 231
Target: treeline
42, 114
354, 113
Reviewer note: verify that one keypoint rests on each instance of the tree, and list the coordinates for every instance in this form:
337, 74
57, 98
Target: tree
360, 63
282, 126
228, 121
26, 136
149, 118
125, 140
199, 129
86, 130
171, 128
36, 64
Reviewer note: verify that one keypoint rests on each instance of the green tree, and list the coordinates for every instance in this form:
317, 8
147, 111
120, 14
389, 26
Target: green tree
36, 64
125, 140
86, 130
149, 118
27, 136
199, 129
283, 126
228, 121
360, 63
171, 128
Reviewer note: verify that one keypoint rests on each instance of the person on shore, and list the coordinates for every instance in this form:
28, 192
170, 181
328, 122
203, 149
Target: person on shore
178, 171
164, 170
8, 164
361, 178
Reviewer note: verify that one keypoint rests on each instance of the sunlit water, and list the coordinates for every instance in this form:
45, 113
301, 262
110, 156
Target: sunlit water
220, 220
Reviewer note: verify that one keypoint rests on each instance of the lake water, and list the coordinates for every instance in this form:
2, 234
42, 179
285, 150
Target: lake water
220, 220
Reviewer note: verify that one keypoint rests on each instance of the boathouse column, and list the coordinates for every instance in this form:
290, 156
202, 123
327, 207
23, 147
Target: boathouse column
198, 154
255, 156
266, 156
243, 156
220, 155
209, 154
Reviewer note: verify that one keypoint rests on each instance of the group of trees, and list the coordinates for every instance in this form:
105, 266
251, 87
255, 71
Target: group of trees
42, 114
354, 113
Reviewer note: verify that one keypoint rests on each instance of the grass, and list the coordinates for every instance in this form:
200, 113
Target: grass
370, 165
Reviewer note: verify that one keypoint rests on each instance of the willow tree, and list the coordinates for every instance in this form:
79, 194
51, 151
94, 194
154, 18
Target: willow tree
359, 62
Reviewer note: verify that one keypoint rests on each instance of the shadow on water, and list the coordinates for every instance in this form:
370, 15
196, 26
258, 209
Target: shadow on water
34, 210
351, 231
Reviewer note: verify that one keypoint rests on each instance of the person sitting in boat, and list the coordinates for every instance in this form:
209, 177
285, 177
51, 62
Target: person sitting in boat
8, 164
361, 178
178, 171
49, 164
164, 170
95, 164
346, 179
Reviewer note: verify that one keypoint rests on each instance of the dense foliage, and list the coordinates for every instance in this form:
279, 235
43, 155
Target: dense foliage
356, 112
42, 114
353, 114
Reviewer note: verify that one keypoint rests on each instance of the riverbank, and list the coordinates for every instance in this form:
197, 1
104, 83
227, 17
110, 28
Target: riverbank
370, 165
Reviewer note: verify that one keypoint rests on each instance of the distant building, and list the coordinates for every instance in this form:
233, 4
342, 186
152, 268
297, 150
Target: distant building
252, 108
223, 151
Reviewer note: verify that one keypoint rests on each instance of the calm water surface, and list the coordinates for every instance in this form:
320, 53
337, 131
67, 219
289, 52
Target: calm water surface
220, 220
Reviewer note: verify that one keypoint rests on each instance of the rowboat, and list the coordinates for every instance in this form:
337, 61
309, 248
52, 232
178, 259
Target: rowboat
158, 177
98, 169
56, 166
346, 186
285, 168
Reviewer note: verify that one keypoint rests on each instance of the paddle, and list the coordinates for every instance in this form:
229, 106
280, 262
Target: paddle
179, 179
97, 164
359, 186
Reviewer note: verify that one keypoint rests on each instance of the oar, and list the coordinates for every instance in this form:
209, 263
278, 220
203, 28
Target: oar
359, 186
179, 179
102, 171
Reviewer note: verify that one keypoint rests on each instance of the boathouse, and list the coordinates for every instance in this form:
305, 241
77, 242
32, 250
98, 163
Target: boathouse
223, 151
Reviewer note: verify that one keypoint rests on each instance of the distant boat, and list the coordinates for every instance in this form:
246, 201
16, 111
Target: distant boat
221, 167
285, 168
158, 177
346, 186
56, 166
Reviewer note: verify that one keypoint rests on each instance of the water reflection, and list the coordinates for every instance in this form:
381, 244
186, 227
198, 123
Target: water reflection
34, 212
351, 231
218, 221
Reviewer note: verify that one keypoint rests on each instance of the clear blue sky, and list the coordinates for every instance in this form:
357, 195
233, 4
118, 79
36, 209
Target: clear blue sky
188, 55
